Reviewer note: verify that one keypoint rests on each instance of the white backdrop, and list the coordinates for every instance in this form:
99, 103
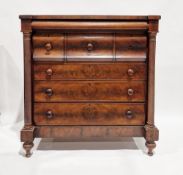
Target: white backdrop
169, 82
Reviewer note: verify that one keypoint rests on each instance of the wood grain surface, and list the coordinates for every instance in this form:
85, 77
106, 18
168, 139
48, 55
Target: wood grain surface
88, 114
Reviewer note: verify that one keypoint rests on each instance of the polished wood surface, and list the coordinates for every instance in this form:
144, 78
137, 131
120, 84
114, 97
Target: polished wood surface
27, 78
59, 91
88, 47
46, 46
91, 17
89, 76
88, 114
130, 46
73, 133
89, 71
99, 25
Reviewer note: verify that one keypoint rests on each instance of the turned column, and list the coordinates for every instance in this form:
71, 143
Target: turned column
151, 132
27, 133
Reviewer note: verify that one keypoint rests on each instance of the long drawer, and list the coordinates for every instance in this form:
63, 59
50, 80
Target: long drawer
89, 114
59, 91
93, 71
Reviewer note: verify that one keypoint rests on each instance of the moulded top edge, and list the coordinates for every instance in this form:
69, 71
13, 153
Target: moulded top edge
89, 17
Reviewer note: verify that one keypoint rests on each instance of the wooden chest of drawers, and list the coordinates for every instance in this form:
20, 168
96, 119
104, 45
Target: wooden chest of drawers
89, 76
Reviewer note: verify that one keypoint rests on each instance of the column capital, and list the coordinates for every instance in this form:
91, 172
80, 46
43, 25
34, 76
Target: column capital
153, 25
26, 26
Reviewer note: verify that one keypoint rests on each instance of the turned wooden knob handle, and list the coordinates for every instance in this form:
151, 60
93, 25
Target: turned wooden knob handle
49, 72
130, 92
130, 72
90, 47
49, 114
129, 114
48, 47
49, 92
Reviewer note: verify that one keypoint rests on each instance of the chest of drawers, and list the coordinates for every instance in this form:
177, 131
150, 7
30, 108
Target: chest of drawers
88, 77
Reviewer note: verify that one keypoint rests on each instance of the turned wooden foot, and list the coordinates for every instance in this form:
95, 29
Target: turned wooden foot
150, 146
151, 135
27, 136
28, 146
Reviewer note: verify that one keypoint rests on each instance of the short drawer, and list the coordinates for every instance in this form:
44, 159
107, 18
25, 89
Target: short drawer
86, 46
69, 71
48, 47
131, 47
89, 47
59, 91
89, 114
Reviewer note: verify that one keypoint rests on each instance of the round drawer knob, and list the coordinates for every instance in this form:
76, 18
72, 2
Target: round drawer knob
129, 114
130, 92
49, 92
90, 47
49, 114
49, 72
130, 72
48, 47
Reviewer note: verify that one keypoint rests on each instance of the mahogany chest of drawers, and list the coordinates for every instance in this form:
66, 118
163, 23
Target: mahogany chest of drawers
89, 76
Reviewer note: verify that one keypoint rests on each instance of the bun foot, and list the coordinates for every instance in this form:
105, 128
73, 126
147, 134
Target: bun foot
150, 146
28, 146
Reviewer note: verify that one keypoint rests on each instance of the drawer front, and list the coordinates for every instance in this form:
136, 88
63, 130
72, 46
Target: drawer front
69, 71
48, 47
131, 47
89, 114
83, 47
89, 47
58, 91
